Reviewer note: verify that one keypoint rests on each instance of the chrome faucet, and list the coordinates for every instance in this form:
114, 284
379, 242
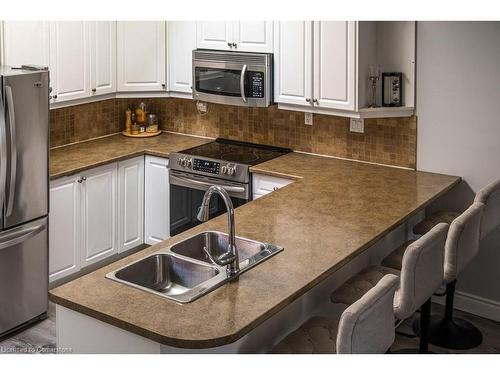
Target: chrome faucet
230, 257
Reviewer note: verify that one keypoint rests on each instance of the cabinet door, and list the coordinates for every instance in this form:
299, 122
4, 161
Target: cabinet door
335, 64
70, 60
25, 42
141, 56
293, 62
157, 205
214, 35
181, 43
64, 228
130, 203
263, 184
99, 214
103, 54
253, 36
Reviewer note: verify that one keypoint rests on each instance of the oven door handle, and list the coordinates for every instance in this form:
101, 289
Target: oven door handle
242, 83
229, 189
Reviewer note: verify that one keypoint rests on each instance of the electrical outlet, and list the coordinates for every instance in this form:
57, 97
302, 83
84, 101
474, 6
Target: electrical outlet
308, 118
357, 125
202, 107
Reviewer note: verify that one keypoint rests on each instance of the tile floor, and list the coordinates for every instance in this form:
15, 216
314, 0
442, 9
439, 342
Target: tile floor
41, 337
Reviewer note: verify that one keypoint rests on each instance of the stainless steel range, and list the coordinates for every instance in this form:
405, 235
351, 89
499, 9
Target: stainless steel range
224, 163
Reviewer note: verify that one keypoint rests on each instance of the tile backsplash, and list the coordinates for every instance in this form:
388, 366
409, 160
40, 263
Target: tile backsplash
387, 140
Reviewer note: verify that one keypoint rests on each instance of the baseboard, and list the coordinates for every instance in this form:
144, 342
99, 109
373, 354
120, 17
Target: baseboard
473, 304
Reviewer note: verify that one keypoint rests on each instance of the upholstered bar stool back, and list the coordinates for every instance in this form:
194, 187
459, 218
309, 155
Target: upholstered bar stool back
366, 326
421, 272
490, 197
462, 244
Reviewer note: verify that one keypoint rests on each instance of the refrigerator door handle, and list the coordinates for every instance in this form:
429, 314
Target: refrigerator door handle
3, 154
16, 236
13, 150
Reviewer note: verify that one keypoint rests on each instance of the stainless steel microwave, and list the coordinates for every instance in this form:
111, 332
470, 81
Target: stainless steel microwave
234, 78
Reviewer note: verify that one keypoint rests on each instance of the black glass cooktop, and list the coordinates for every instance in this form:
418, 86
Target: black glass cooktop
237, 152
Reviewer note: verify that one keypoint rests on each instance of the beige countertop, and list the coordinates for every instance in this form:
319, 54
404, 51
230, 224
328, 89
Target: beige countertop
333, 211
68, 160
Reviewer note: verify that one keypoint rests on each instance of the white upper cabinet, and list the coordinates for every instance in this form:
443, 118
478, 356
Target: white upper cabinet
103, 57
214, 35
181, 43
335, 65
293, 62
245, 36
26, 42
70, 60
141, 56
253, 36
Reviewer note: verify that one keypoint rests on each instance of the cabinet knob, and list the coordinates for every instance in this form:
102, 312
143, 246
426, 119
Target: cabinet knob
163, 85
81, 179
308, 100
235, 45
315, 100
229, 44
94, 90
54, 96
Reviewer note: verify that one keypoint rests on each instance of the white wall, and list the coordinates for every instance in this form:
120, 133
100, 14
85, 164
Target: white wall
458, 109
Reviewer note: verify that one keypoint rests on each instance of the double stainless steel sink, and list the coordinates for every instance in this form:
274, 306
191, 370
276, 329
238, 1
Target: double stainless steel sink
186, 270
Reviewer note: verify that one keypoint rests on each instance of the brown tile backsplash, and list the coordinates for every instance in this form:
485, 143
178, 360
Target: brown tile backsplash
387, 140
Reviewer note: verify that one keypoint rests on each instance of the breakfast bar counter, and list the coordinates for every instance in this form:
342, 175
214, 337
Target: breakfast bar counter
333, 211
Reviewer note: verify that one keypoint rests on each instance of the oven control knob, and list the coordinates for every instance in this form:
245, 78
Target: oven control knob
230, 171
183, 162
224, 169
189, 163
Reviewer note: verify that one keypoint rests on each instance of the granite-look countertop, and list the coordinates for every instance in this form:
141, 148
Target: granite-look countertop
332, 212
71, 159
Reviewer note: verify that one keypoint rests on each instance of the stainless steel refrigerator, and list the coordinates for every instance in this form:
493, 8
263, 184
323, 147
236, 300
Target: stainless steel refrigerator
24, 114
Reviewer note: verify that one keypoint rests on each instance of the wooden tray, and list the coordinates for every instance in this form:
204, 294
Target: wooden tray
141, 135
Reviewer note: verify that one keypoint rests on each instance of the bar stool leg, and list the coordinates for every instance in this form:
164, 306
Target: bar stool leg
448, 332
425, 318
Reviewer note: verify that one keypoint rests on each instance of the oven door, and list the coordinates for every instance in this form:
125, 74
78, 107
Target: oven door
186, 194
231, 83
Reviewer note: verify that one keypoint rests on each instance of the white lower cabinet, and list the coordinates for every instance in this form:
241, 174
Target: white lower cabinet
157, 200
99, 214
130, 203
95, 214
263, 184
64, 227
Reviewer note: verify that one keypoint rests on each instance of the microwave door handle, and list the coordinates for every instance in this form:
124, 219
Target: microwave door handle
230, 189
242, 83
13, 150
3, 153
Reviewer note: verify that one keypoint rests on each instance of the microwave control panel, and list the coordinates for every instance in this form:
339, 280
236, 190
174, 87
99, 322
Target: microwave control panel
256, 84
206, 166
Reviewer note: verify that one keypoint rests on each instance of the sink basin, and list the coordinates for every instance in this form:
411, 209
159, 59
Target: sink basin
250, 252
184, 272
169, 276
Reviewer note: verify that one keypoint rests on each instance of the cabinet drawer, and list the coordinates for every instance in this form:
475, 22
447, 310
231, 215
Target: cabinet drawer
263, 184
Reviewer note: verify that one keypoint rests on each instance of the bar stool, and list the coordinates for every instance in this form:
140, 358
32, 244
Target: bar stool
462, 245
421, 275
366, 326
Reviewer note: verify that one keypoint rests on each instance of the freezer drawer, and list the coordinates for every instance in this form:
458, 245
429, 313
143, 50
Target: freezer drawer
23, 274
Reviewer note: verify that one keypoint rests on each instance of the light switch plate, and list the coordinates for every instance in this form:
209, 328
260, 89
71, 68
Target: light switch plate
308, 118
202, 107
357, 125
